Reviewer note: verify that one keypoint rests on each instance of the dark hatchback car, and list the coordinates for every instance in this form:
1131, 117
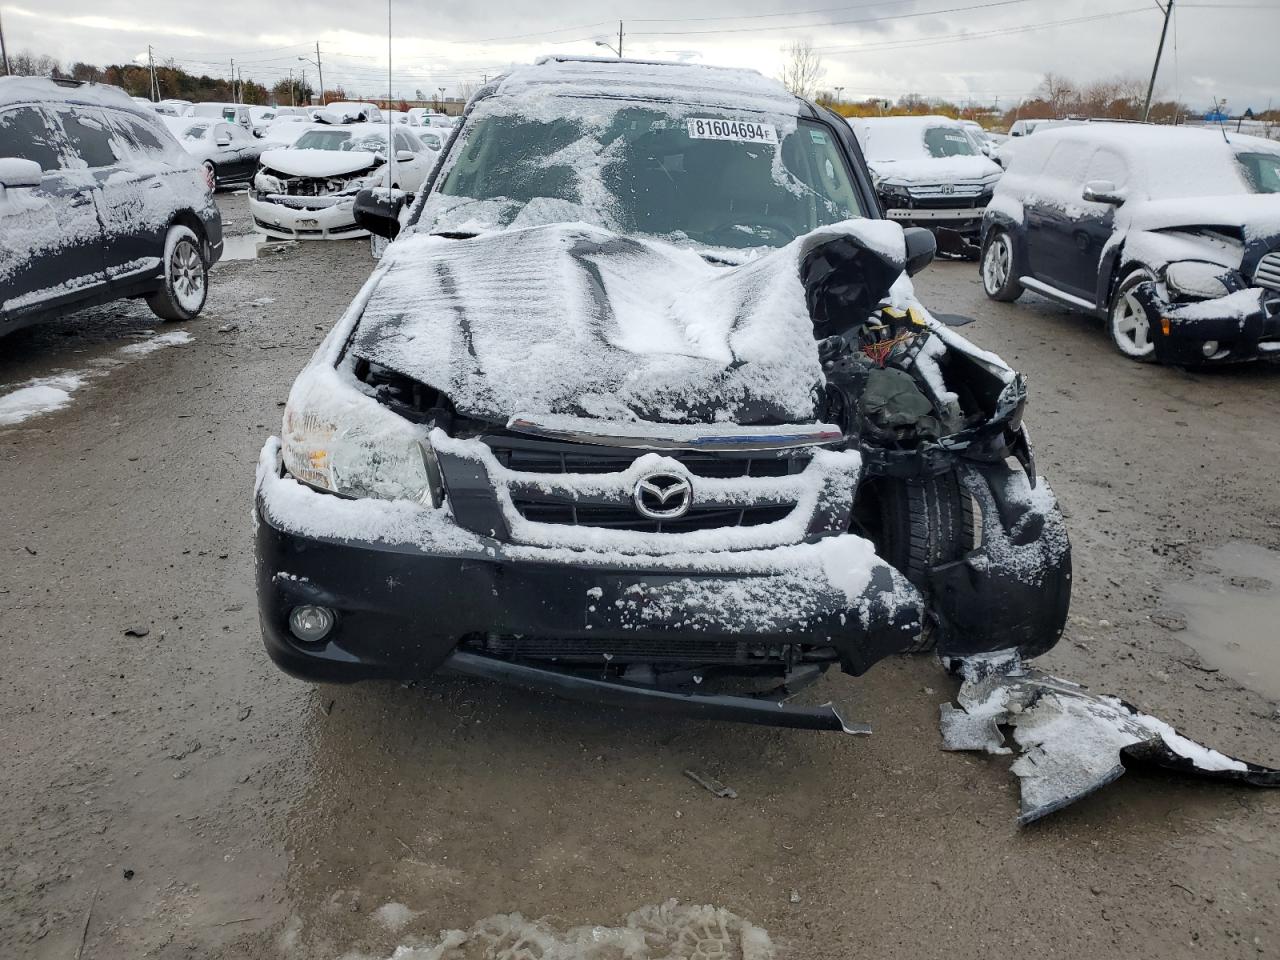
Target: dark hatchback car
1170, 234
97, 202
640, 402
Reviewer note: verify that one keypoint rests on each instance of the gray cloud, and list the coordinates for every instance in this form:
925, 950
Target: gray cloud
1226, 52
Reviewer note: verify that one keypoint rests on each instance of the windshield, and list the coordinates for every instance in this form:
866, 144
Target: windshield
1261, 170
341, 140
948, 142
721, 181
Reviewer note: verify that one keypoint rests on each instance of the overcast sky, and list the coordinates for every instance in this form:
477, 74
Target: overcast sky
980, 49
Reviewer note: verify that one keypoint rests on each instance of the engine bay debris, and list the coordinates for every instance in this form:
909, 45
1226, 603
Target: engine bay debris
1069, 742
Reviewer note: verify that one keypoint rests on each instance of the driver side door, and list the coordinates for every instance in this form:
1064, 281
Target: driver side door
50, 235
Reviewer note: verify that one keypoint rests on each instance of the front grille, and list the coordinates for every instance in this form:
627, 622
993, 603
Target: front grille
541, 456
1268, 272
628, 650
625, 517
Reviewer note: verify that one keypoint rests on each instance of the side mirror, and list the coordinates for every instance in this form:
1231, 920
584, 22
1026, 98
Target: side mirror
222, 141
985, 147
15, 172
1103, 191
405, 156
921, 247
379, 213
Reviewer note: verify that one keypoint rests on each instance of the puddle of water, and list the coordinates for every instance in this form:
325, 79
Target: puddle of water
1233, 615
250, 246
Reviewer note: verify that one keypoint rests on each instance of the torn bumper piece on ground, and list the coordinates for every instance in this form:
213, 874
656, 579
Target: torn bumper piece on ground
1070, 742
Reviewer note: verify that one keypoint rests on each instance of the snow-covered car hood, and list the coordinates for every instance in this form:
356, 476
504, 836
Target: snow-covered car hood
939, 170
1257, 215
571, 319
318, 163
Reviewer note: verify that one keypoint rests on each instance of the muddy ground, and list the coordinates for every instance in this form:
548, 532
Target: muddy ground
173, 795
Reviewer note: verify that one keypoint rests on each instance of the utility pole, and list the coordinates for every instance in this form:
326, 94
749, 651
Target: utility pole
619, 39
233, 80
4, 53
293, 101
320, 70
1168, 11
151, 62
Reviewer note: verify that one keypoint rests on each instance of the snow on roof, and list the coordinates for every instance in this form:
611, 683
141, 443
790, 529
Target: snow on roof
1166, 161
690, 83
26, 89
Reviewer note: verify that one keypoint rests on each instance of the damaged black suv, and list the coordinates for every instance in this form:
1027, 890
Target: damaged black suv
640, 407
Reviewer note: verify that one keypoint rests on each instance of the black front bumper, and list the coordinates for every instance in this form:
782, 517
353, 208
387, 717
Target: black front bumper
402, 610
1244, 326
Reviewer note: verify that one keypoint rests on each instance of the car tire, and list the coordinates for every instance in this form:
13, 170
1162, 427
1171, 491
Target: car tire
1127, 322
185, 277
999, 279
210, 175
922, 523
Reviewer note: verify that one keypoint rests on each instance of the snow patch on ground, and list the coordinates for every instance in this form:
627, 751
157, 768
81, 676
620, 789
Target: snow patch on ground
47, 394
393, 915
173, 339
651, 933
38, 396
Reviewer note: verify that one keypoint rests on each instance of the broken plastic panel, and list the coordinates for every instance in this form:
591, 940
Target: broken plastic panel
1070, 742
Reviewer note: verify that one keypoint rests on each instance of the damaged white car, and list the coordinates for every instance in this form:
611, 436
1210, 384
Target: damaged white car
308, 191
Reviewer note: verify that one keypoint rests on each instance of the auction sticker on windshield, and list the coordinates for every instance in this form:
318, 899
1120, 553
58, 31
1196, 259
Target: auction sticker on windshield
740, 131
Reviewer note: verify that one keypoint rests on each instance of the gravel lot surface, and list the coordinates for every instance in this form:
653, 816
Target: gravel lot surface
168, 793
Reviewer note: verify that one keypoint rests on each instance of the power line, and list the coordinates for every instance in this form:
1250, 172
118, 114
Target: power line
979, 35
834, 23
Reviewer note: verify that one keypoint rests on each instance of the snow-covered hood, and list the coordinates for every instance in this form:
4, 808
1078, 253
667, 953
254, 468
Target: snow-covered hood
571, 319
934, 170
1256, 215
318, 163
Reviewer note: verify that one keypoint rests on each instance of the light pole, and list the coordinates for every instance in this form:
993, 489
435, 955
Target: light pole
839, 91
319, 70
4, 53
608, 46
440, 90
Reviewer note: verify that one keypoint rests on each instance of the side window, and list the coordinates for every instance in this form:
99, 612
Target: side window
1068, 162
405, 142
141, 138
1106, 164
231, 130
25, 134
89, 136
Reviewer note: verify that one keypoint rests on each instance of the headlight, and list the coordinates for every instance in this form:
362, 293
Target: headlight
338, 439
264, 182
1194, 278
893, 189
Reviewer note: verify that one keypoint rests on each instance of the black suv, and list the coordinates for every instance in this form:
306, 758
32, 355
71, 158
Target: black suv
1170, 234
97, 202
641, 401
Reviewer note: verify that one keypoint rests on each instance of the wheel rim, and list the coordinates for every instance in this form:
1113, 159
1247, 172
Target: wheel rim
186, 275
997, 264
1129, 325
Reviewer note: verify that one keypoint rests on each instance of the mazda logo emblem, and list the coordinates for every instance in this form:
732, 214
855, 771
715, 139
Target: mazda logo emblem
663, 496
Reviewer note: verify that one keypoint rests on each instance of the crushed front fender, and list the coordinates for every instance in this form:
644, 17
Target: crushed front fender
1014, 589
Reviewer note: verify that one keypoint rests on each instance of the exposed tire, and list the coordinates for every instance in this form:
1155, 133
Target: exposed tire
999, 279
210, 175
185, 277
918, 524
1127, 322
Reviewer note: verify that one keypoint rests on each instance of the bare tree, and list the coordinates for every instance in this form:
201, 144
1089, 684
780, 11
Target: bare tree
1058, 92
28, 64
803, 68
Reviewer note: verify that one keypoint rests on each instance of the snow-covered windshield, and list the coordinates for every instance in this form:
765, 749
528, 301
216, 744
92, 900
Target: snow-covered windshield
713, 178
341, 140
949, 142
1261, 170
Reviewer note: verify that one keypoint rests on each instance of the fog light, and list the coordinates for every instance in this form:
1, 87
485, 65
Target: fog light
1209, 348
311, 624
